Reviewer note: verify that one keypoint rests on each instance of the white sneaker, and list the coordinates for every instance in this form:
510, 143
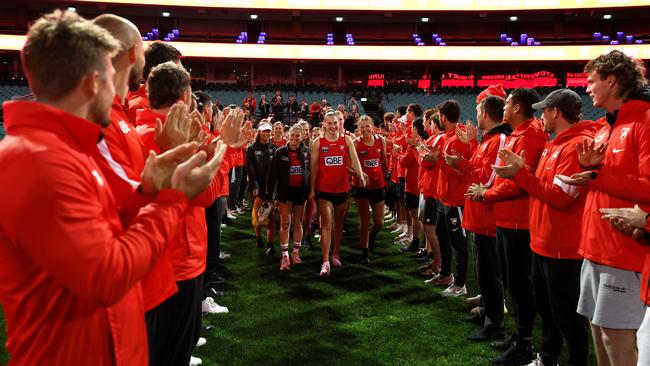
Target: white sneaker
393, 226
209, 306
404, 240
537, 361
201, 342
454, 291
399, 230
195, 361
405, 234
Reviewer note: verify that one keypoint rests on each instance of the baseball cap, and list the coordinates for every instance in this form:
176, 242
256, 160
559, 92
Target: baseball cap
264, 127
565, 100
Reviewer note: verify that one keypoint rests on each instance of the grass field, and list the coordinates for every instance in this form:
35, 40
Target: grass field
376, 314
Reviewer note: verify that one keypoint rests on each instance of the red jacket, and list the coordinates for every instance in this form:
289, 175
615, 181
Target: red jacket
401, 142
429, 171
223, 176
188, 253
69, 270
409, 160
556, 207
478, 217
137, 100
118, 156
623, 181
510, 201
451, 185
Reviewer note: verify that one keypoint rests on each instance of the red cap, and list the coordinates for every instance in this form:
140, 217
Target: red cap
492, 90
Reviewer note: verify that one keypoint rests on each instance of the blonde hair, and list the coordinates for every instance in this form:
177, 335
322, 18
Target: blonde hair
296, 128
61, 49
366, 118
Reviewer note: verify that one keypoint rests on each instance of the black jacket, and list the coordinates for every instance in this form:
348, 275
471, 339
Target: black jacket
277, 185
258, 164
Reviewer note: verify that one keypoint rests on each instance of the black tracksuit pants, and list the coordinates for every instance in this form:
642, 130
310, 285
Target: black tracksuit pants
488, 273
173, 326
514, 251
557, 289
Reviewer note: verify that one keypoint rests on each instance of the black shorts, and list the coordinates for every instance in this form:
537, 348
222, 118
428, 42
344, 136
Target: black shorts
373, 195
335, 198
411, 200
429, 213
400, 191
295, 196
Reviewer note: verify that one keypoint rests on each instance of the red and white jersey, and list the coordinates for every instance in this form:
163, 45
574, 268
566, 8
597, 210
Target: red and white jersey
370, 158
332, 166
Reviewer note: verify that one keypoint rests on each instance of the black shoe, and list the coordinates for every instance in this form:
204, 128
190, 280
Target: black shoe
519, 353
365, 259
420, 254
270, 250
478, 319
503, 345
206, 328
487, 333
258, 243
409, 249
217, 280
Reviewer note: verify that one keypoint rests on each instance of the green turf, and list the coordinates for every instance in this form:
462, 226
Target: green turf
377, 314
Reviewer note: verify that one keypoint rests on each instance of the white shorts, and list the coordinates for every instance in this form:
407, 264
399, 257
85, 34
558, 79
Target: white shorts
610, 297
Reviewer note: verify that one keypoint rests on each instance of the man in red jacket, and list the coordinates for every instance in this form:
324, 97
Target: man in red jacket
635, 222
409, 161
617, 172
177, 320
478, 217
510, 204
451, 189
157, 53
555, 225
91, 317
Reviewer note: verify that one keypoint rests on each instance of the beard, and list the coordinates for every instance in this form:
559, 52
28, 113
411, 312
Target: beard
100, 112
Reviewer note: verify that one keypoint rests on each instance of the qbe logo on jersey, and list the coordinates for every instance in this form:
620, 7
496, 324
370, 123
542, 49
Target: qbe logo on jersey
333, 161
295, 170
371, 163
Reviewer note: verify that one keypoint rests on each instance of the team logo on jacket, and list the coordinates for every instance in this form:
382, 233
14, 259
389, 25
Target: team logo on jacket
555, 155
371, 163
285, 158
333, 161
124, 127
98, 177
624, 132
258, 153
601, 136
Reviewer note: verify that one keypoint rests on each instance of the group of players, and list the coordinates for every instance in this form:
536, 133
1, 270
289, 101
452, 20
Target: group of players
555, 221
115, 177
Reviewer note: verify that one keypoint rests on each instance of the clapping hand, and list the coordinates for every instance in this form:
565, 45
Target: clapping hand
513, 163
589, 155
177, 129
